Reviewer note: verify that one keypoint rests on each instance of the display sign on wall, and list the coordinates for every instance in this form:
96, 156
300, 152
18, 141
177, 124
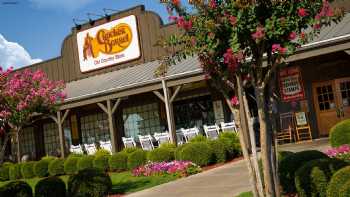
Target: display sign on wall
291, 84
108, 44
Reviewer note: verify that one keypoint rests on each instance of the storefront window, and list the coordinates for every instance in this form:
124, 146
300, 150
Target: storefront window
94, 128
141, 120
194, 112
27, 143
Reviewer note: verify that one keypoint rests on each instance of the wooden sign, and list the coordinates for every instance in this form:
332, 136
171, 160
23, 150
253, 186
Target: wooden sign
291, 84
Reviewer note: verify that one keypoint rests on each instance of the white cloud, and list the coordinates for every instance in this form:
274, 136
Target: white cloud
69, 5
14, 55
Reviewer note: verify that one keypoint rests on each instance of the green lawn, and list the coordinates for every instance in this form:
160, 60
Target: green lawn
122, 182
245, 194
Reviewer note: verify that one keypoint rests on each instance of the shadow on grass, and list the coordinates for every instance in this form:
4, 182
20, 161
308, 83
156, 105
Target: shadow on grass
128, 186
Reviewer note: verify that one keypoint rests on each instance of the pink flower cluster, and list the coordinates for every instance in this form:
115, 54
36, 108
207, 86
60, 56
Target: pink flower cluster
277, 48
259, 34
334, 152
182, 22
232, 59
26, 91
159, 168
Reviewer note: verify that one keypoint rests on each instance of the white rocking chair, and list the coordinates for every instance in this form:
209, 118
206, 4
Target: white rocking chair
76, 149
162, 138
212, 132
128, 142
229, 127
190, 133
90, 149
146, 142
106, 145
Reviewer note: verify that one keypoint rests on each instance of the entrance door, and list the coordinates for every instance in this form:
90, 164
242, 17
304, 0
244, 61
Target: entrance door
343, 90
332, 103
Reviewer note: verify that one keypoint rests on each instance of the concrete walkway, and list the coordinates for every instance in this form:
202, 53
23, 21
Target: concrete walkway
228, 180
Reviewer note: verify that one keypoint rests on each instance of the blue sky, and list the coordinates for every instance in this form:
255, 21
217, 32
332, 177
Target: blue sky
33, 30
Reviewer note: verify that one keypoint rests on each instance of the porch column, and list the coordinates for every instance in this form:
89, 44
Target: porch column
109, 110
59, 121
168, 100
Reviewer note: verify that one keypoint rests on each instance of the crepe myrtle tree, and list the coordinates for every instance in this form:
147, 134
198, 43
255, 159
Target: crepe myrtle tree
244, 42
24, 95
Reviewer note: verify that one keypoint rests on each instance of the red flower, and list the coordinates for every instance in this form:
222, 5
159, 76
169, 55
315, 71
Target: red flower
231, 60
259, 34
302, 36
275, 48
176, 2
212, 4
234, 101
302, 12
172, 18
233, 20
292, 35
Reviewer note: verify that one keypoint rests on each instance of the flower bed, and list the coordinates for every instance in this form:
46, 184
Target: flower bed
177, 168
341, 152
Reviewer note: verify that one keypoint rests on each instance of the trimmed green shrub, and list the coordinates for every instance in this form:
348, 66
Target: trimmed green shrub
89, 183
340, 133
118, 162
48, 158
137, 158
345, 189
199, 138
4, 171
281, 155
41, 168
102, 152
70, 165
218, 150
27, 169
50, 187
161, 154
56, 167
101, 162
232, 144
290, 165
15, 171
85, 162
16, 189
178, 151
337, 181
129, 150
197, 152
312, 178
167, 145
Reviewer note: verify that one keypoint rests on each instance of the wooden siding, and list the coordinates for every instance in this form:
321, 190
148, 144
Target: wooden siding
150, 27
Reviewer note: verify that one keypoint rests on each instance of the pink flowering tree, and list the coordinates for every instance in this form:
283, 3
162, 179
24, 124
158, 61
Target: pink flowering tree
243, 43
24, 96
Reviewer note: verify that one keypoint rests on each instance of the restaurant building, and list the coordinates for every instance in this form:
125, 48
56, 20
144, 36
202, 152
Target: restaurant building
112, 91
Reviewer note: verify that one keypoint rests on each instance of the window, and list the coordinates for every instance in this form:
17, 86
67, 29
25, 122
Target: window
141, 120
51, 139
325, 97
27, 143
345, 93
94, 128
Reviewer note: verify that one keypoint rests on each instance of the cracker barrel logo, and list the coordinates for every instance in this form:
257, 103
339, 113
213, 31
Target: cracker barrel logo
108, 42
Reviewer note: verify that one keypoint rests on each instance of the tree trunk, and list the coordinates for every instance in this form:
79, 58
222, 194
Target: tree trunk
266, 144
18, 147
3, 148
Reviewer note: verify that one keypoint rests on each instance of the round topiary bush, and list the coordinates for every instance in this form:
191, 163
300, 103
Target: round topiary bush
70, 165
118, 162
199, 138
161, 154
56, 167
290, 165
337, 181
129, 150
101, 162
218, 151
89, 183
50, 187
137, 158
167, 145
85, 162
16, 189
102, 152
340, 133
198, 152
312, 178
27, 170
41, 168
232, 144
344, 190
4, 171
15, 171
178, 151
